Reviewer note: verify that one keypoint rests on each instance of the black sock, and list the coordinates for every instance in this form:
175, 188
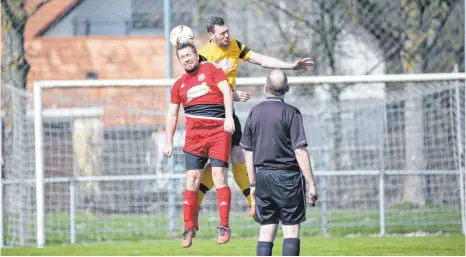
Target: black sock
291, 247
264, 248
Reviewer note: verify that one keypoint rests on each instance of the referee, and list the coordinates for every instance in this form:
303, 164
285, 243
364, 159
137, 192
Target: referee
275, 144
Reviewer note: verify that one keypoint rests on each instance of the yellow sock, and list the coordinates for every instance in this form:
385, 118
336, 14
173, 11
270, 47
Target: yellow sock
240, 174
206, 184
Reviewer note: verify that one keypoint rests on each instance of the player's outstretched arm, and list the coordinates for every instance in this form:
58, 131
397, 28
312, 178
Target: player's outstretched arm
228, 102
170, 127
273, 63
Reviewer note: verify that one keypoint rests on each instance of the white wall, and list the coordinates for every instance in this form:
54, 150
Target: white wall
358, 56
363, 54
107, 17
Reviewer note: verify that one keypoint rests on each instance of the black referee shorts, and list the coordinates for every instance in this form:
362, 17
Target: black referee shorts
280, 196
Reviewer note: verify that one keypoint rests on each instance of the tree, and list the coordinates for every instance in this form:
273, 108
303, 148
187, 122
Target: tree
15, 67
413, 36
410, 33
323, 24
14, 19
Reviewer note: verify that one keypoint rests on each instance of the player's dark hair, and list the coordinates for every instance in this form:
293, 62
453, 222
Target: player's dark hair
183, 46
214, 21
280, 89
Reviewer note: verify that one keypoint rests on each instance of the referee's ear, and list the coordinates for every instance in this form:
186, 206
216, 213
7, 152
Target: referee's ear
266, 89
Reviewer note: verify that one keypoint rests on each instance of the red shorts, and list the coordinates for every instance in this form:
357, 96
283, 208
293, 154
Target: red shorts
207, 138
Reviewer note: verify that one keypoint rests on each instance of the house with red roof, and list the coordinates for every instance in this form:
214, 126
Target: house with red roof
100, 39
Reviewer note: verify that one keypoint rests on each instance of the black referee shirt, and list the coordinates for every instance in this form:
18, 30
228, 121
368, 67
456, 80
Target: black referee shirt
273, 130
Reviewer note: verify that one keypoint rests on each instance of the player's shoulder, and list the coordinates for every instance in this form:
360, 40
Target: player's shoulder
257, 111
206, 49
291, 108
292, 112
235, 42
284, 106
209, 65
179, 80
257, 107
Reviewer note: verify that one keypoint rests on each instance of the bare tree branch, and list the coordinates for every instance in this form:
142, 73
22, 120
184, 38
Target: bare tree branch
376, 26
328, 45
37, 8
275, 19
438, 32
6, 10
292, 15
388, 55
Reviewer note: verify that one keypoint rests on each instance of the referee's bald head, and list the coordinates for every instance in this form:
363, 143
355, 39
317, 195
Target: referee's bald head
277, 83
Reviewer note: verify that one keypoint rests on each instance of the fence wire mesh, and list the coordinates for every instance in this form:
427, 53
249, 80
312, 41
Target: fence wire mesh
106, 178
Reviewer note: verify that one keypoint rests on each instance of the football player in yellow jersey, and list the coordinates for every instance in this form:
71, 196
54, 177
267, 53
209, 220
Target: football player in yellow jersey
226, 51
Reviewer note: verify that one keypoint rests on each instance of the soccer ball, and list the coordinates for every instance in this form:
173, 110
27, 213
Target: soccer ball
181, 34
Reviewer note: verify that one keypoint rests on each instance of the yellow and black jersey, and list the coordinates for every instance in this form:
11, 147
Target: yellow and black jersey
227, 59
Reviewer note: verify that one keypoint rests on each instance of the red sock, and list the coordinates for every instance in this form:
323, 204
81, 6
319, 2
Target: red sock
189, 206
224, 201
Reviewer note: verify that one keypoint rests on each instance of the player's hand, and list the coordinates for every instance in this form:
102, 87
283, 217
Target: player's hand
312, 194
243, 96
303, 63
252, 191
229, 125
168, 150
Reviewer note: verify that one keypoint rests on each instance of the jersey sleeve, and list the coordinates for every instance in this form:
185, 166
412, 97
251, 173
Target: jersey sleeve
298, 135
175, 96
245, 52
217, 74
247, 139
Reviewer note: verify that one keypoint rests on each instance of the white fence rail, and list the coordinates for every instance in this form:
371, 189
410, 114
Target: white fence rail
171, 226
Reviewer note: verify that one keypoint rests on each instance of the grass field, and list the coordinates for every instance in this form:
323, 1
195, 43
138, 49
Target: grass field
149, 235
341, 222
453, 245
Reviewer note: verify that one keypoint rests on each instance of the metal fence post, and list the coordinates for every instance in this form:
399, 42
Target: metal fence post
72, 199
172, 198
72, 211
171, 180
460, 150
462, 199
382, 202
323, 223
39, 165
463, 171
1, 207
2, 242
